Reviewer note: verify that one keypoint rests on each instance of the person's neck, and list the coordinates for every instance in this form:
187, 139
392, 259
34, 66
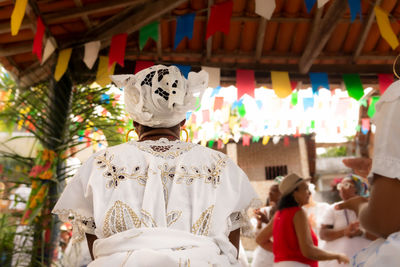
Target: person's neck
157, 134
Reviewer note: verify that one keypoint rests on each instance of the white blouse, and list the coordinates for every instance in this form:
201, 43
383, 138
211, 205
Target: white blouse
158, 184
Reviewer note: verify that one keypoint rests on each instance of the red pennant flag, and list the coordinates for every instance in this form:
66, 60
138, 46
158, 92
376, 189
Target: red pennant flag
384, 81
286, 141
245, 82
141, 65
219, 144
220, 18
246, 140
38, 41
194, 118
117, 49
297, 134
293, 84
218, 102
206, 115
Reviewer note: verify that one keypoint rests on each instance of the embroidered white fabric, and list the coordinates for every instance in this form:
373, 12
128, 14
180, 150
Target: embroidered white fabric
160, 96
159, 184
386, 158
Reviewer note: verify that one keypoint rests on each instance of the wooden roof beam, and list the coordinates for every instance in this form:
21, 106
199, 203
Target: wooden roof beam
366, 29
209, 40
322, 34
85, 17
260, 39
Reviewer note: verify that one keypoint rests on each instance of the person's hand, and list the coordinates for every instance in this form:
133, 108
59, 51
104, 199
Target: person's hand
353, 230
342, 258
261, 216
360, 166
352, 204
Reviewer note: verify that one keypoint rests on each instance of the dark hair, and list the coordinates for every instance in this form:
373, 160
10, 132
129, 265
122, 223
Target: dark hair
287, 201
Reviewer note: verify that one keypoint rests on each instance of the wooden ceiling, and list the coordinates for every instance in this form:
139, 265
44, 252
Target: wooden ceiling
324, 40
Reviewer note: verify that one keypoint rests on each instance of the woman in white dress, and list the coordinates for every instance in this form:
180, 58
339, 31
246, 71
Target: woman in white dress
159, 201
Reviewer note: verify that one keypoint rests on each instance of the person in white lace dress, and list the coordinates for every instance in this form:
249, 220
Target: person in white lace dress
159, 201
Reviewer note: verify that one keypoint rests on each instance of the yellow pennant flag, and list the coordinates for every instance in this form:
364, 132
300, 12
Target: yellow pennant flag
103, 73
62, 63
385, 28
281, 83
265, 140
18, 15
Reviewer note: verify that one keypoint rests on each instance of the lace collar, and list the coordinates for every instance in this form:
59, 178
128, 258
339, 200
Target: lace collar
163, 147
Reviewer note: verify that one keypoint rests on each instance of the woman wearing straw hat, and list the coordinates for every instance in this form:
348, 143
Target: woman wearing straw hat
295, 244
159, 201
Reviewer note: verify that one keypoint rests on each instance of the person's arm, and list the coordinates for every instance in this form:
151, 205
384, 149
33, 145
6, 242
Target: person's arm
90, 240
234, 238
381, 215
327, 233
263, 239
306, 244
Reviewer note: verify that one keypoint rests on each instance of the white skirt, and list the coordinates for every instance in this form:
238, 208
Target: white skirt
290, 264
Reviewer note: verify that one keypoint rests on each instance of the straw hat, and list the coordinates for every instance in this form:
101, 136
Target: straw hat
289, 183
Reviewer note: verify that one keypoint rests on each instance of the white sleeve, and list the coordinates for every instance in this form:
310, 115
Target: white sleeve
76, 203
328, 217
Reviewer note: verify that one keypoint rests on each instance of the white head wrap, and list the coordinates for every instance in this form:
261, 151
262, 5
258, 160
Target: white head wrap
160, 96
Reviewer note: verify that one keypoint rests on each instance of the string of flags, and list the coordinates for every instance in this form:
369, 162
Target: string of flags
219, 20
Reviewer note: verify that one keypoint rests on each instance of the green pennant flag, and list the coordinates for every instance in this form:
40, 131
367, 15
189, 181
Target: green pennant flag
148, 31
358, 128
363, 102
211, 143
313, 124
353, 85
242, 111
294, 98
255, 139
198, 104
371, 108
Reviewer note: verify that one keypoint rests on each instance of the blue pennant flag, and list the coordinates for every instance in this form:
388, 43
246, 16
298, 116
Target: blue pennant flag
319, 79
188, 114
355, 8
310, 4
184, 28
185, 69
237, 104
259, 104
308, 102
215, 91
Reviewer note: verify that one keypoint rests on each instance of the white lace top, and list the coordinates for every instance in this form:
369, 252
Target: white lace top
160, 183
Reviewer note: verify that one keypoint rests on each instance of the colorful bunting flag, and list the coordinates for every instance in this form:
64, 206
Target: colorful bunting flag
49, 48
246, 140
211, 143
220, 18
214, 76
355, 8
242, 111
38, 41
265, 140
365, 124
218, 102
91, 53
62, 63
308, 102
265, 8
215, 91
319, 79
312, 124
286, 141
185, 69
141, 65
117, 49
220, 144
385, 28
281, 83
294, 99
148, 31
384, 81
371, 109
245, 83
17, 16
293, 84
255, 139
310, 4
276, 139
103, 72
206, 115
353, 85
184, 28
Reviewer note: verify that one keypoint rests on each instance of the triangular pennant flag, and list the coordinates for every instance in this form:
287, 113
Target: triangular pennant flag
319, 79
265, 140
245, 83
17, 15
353, 85
310, 4
220, 18
206, 115
255, 139
355, 8
308, 102
38, 41
148, 31
117, 49
385, 28
294, 99
286, 141
281, 83
184, 27
103, 72
384, 81
218, 102
62, 63
371, 108
242, 110
294, 84
365, 124
49, 48
91, 53
185, 69
246, 140
321, 3
215, 91
276, 139
141, 65
265, 8
220, 144
214, 76
211, 143
312, 124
